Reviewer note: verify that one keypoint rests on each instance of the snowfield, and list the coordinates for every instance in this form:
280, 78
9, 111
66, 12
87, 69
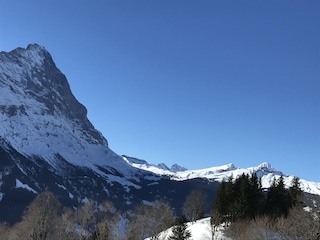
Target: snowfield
200, 230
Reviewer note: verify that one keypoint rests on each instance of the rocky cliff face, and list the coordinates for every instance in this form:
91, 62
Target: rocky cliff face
40, 116
32, 85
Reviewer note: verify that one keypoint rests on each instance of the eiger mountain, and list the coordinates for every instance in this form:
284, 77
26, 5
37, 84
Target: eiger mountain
47, 143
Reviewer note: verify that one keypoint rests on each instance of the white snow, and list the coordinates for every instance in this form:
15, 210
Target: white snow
19, 184
64, 188
61, 186
307, 209
222, 173
71, 195
200, 230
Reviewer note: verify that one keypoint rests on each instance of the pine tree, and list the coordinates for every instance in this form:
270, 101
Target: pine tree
241, 198
220, 203
295, 192
255, 196
278, 200
180, 232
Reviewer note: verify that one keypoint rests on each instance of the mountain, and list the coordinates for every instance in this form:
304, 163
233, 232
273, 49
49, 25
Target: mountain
47, 143
222, 173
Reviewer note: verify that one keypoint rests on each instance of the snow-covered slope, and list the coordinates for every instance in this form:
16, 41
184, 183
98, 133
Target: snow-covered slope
159, 169
200, 230
221, 173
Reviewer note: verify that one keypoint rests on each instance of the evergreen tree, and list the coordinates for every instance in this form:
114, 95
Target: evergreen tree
229, 198
278, 200
295, 192
223, 204
220, 203
247, 197
241, 198
180, 232
255, 196
284, 201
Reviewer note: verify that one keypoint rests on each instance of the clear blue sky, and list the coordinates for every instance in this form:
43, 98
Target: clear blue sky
198, 83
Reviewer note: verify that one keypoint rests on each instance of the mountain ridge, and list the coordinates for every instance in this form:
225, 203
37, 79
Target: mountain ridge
222, 173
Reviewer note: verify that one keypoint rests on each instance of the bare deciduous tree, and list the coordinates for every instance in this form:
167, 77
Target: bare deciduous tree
299, 224
215, 221
107, 220
4, 231
85, 220
40, 219
150, 220
194, 205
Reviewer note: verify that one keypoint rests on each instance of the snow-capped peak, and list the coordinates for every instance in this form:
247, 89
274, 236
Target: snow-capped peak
163, 166
222, 173
40, 116
177, 168
265, 166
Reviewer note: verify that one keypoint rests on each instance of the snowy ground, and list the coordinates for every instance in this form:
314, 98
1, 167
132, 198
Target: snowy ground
200, 230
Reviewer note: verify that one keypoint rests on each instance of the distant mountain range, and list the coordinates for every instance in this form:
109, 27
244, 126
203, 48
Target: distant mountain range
47, 143
222, 173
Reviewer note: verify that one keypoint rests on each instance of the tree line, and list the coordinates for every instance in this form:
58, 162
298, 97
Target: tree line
244, 198
239, 203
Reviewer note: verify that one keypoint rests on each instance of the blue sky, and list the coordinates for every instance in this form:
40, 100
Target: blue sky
198, 83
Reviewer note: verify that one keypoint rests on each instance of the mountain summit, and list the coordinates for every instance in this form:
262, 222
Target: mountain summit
41, 117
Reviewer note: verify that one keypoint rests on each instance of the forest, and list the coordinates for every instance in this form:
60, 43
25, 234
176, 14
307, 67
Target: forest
242, 207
